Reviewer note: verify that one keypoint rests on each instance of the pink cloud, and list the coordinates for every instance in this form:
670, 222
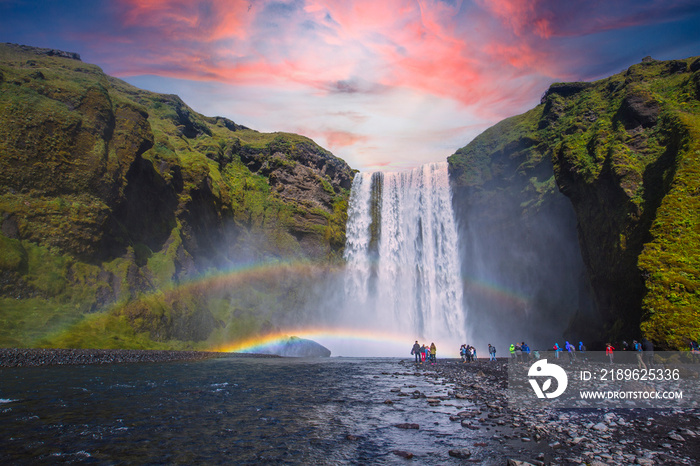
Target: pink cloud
489, 55
337, 139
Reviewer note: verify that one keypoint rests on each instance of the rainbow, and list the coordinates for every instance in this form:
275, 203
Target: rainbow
496, 292
255, 271
341, 341
347, 342
320, 335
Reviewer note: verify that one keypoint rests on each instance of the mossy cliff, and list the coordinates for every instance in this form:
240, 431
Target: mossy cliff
626, 151
111, 197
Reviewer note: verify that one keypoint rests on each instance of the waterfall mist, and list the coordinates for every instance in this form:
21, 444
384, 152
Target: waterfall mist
525, 279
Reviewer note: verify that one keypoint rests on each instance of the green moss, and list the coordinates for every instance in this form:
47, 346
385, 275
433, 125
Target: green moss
671, 261
12, 254
162, 263
25, 321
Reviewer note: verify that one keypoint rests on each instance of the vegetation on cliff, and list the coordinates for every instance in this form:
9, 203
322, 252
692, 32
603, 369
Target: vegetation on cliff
112, 198
625, 150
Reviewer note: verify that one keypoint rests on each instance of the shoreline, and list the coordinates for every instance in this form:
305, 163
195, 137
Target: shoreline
40, 357
564, 436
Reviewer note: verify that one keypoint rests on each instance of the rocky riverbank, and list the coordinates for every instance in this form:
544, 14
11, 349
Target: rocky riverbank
21, 357
560, 436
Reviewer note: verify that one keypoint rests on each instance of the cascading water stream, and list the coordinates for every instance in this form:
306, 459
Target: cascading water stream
402, 257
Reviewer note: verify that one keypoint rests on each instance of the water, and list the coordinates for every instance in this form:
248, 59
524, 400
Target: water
227, 410
403, 269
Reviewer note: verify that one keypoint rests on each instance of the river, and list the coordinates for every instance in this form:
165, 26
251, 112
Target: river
228, 410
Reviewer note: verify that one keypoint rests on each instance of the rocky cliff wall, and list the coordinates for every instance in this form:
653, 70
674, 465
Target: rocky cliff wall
624, 150
110, 194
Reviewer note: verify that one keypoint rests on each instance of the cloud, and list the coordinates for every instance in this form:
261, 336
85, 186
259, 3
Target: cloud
354, 72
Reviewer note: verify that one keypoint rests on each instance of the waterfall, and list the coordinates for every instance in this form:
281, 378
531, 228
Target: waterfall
402, 255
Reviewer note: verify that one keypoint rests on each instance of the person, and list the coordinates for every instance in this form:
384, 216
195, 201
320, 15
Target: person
473, 354
556, 350
536, 355
463, 352
648, 348
609, 351
638, 352
526, 351
423, 353
581, 347
694, 350
492, 353
518, 353
571, 350
512, 352
416, 351
433, 352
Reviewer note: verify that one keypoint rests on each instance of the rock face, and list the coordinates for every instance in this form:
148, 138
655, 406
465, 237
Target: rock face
624, 150
523, 271
295, 347
110, 194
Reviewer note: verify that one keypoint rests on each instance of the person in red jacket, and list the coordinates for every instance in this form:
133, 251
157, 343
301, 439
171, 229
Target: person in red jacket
609, 351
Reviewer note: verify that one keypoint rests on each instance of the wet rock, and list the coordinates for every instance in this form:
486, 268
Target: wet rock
388, 402
461, 453
676, 437
600, 427
512, 462
407, 425
403, 454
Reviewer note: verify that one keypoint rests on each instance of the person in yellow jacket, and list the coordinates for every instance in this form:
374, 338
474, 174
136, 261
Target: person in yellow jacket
433, 351
512, 352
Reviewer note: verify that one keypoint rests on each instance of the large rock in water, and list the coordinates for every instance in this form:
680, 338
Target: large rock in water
295, 347
625, 151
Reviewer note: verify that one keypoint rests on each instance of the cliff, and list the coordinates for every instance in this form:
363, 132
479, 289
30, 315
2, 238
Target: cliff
112, 198
624, 151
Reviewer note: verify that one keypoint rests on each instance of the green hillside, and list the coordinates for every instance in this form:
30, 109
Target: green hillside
116, 204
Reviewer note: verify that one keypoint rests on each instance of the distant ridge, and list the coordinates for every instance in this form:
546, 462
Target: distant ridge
48, 52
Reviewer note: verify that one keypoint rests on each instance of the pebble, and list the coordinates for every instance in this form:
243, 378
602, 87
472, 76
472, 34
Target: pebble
403, 454
593, 436
461, 453
407, 425
14, 357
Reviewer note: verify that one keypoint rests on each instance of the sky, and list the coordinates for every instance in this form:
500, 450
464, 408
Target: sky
384, 84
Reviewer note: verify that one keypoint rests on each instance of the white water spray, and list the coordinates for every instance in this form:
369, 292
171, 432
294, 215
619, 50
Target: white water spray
403, 270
